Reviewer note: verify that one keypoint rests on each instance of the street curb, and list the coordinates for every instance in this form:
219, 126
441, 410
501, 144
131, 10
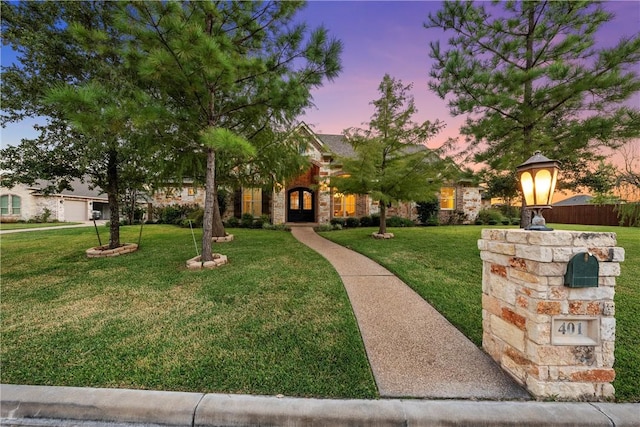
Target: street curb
23, 405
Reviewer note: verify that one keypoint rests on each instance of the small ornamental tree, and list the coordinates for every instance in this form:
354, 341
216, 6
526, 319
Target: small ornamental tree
391, 162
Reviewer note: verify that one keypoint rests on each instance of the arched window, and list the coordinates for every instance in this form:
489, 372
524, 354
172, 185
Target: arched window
10, 204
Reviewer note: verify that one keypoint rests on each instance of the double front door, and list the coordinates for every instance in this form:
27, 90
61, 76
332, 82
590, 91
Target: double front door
300, 205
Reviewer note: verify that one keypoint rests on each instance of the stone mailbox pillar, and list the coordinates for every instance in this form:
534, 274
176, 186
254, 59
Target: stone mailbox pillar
556, 340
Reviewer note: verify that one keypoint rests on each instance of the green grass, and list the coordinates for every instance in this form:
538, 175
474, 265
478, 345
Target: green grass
25, 225
275, 320
443, 265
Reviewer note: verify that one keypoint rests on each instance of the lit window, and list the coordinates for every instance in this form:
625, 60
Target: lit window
252, 201
191, 191
344, 205
447, 198
13, 208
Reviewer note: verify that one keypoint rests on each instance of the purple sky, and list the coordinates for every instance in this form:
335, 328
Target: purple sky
384, 37
389, 37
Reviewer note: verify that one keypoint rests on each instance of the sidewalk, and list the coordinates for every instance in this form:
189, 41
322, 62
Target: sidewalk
57, 227
412, 349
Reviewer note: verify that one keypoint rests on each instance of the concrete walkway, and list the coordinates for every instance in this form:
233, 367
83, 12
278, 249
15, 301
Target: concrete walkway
412, 349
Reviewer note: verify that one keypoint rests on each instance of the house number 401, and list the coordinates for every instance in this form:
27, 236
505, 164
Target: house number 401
575, 331
570, 328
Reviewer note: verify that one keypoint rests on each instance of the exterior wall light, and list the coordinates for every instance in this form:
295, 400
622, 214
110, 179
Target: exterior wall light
537, 177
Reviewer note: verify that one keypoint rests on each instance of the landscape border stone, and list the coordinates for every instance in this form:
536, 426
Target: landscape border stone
103, 251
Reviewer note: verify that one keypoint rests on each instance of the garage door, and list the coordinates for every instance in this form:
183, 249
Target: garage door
75, 210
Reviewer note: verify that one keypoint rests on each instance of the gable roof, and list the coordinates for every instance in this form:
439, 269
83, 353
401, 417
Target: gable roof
80, 189
337, 144
578, 199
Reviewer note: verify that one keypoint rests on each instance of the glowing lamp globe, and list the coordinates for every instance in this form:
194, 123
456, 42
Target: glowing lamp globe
538, 177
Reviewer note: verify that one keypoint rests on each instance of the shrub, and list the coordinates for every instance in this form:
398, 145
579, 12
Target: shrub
337, 221
492, 222
196, 217
375, 220
324, 227
515, 221
174, 214
478, 222
505, 221
397, 221
352, 222
428, 211
259, 223
456, 217
246, 221
232, 222
366, 221
486, 215
628, 214
431, 222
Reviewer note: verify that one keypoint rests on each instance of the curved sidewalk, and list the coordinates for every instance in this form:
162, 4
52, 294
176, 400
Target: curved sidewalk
412, 349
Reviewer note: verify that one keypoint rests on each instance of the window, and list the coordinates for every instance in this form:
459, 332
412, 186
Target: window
344, 205
252, 201
10, 205
447, 198
191, 191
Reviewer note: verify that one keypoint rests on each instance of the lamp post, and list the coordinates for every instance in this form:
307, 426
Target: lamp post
537, 177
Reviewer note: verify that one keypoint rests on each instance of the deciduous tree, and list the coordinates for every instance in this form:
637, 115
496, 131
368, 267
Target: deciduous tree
391, 162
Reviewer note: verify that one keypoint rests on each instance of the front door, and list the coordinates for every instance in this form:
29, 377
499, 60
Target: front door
300, 205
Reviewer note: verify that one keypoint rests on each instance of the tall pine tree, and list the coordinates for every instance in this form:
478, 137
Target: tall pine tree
528, 77
225, 70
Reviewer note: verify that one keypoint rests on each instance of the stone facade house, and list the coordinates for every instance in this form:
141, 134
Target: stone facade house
23, 202
310, 198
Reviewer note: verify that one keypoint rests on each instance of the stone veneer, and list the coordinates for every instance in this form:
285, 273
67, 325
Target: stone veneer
523, 290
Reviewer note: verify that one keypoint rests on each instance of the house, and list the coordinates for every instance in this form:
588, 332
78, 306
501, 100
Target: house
578, 199
310, 198
24, 202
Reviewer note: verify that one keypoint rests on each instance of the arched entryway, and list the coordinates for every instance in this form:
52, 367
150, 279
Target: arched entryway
301, 202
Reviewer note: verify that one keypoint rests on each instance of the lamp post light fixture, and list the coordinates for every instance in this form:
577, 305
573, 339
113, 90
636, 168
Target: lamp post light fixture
537, 177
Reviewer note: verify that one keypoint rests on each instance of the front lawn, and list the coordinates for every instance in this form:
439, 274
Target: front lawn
276, 320
443, 265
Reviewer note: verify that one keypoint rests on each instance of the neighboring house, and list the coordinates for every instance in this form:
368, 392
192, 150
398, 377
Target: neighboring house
310, 198
23, 202
578, 199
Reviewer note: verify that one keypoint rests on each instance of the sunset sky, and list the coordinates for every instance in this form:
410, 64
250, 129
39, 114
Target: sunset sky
383, 37
389, 37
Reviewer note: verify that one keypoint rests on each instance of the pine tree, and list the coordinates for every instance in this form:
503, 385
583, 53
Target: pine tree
73, 75
528, 77
225, 70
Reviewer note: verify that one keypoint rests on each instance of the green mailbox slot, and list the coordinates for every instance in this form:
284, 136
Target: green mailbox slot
582, 271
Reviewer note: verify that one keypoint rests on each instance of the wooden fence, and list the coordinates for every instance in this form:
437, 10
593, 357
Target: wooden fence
582, 214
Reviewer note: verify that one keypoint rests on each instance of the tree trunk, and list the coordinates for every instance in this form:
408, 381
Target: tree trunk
112, 197
217, 224
209, 203
383, 217
527, 130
